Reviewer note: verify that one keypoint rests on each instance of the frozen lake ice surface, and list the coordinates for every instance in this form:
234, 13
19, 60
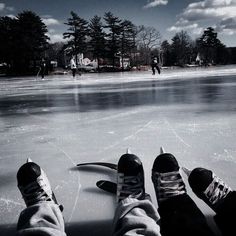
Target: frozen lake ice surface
60, 121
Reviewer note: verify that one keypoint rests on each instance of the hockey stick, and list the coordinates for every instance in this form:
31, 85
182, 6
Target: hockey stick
103, 164
38, 72
107, 186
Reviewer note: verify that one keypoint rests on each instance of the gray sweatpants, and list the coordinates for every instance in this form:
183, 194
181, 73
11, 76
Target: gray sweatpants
132, 217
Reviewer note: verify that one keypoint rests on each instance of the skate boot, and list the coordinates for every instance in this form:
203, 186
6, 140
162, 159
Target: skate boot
208, 187
130, 177
34, 185
166, 177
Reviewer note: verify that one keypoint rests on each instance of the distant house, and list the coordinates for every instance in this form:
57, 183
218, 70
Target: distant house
199, 60
81, 61
84, 62
125, 62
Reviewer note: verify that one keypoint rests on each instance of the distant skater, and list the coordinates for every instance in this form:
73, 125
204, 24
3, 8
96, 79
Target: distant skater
43, 67
154, 66
73, 66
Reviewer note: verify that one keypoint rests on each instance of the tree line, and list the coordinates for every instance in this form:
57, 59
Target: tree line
110, 38
24, 41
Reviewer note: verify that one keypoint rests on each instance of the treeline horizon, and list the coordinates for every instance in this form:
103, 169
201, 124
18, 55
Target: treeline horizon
24, 41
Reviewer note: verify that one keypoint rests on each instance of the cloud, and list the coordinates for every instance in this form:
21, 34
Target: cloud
46, 16
10, 8
12, 16
2, 6
221, 13
54, 37
155, 3
227, 26
185, 25
211, 3
209, 9
50, 21
230, 23
193, 28
51, 31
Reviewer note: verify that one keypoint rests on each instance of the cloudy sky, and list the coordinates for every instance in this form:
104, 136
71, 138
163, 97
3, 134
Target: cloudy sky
168, 16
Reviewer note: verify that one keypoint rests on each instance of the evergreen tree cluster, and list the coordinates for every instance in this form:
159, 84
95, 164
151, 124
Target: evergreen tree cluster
183, 50
23, 41
109, 39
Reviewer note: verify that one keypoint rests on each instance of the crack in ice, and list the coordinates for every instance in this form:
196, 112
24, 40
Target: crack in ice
78, 180
175, 133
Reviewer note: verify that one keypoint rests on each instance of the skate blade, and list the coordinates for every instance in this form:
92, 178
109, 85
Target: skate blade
162, 150
128, 151
28, 160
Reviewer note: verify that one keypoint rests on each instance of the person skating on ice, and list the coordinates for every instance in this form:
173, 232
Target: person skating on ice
43, 66
154, 65
73, 66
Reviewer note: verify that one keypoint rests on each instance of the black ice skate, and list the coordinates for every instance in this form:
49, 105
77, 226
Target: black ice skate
208, 187
130, 177
166, 177
34, 184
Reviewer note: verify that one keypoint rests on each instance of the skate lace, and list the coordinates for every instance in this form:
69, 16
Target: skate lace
129, 186
217, 190
168, 184
34, 192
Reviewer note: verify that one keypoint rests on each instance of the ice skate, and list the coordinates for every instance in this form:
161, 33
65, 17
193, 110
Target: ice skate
166, 177
130, 177
208, 187
34, 184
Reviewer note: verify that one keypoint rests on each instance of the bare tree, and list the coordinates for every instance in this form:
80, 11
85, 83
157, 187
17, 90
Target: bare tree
148, 38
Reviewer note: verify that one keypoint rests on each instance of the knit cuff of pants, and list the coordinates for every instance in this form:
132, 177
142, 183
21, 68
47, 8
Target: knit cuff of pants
44, 219
136, 217
132, 217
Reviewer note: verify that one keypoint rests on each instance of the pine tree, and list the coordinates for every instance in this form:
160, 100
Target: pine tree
166, 53
77, 34
97, 38
8, 38
210, 46
127, 39
113, 36
25, 40
181, 48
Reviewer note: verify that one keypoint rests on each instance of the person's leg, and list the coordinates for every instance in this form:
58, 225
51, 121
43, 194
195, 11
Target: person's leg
158, 69
216, 194
179, 214
73, 72
136, 217
41, 219
42, 215
153, 69
42, 72
135, 213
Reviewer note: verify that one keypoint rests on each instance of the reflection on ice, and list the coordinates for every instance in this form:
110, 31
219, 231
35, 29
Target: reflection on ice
115, 91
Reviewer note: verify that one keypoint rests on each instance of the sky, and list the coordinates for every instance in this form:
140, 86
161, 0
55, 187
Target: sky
167, 16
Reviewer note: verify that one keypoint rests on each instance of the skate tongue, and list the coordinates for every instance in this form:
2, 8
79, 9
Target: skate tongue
28, 160
186, 171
